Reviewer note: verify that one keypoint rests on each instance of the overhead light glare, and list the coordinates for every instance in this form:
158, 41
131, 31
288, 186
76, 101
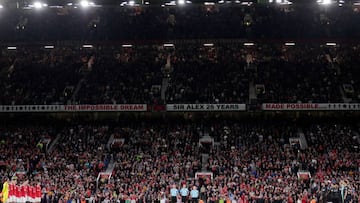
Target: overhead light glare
168, 45
171, 3
324, 2
87, 46
248, 44
37, 5
289, 44
331, 44
246, 3
84, 3
131, 3
49, 47
208, 45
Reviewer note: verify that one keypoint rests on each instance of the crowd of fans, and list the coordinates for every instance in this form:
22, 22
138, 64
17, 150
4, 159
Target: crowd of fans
191, 21
249, 162
67, 169
126, 76
304, 74
222, 73
208, 75
38, 76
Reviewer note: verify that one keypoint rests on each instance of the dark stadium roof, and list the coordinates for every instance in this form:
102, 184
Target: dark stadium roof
22, 3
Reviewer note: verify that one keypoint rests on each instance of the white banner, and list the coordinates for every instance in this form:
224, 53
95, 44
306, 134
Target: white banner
74, 108
205, 107
310, 107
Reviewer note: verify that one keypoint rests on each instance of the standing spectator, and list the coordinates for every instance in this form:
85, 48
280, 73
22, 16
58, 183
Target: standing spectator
203, 193
184, 193
194, 195
174, 192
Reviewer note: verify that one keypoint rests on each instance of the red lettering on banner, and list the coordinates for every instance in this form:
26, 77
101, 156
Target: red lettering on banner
132, 107
302, 106
106, 107
70, 107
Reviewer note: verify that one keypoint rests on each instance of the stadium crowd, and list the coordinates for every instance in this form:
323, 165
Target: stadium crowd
160, 161
222, 73
249, 162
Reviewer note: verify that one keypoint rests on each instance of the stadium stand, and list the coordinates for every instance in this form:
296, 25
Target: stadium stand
252, 162
187, 73
207, 103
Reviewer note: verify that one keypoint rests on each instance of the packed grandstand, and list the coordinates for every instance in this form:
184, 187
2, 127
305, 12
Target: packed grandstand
203, 102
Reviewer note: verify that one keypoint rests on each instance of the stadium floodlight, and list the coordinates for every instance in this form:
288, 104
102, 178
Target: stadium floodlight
84, 3
181, 2
246, 3
209, 3
37, 5
188, 2
330, 44
171, 3
282, 2
131, 3
11, 48
221, 1
248, 44
147, 3
168, 45
324, 2
208, 45
49, 47
126, 45
87, 46
289, 44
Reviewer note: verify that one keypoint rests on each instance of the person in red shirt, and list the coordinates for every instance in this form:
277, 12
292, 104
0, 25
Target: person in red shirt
38, 193
304, 198
290, 199
17, 192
